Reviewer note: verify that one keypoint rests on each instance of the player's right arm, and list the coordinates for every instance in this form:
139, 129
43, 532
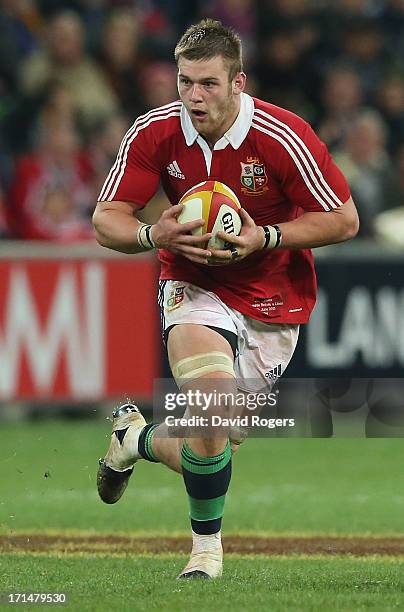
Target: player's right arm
130, 185
116, 227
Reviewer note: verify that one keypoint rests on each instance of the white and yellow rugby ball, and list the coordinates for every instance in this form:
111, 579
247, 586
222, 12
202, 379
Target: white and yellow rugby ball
217, 205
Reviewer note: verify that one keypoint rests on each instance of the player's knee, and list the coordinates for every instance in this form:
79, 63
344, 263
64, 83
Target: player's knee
207, 447
201, 365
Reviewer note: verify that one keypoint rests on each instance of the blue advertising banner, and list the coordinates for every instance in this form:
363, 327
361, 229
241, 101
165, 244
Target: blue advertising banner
357, 327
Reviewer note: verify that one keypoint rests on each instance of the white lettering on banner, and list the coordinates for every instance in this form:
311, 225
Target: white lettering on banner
77, 329
372, 328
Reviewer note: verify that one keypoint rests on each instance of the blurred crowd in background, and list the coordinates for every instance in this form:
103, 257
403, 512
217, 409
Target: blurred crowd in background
75, 74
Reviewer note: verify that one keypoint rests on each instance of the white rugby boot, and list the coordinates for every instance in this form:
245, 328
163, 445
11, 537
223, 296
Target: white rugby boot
117, 466
206, 559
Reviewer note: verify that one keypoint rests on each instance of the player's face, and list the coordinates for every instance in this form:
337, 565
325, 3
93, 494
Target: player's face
211, 100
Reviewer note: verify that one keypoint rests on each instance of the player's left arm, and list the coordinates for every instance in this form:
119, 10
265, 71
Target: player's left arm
315, 229
310, 230
312, 181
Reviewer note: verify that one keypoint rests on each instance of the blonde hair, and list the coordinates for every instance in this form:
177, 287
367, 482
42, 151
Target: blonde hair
208, 39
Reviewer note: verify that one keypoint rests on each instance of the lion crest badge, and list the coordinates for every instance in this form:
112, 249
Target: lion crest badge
253, 177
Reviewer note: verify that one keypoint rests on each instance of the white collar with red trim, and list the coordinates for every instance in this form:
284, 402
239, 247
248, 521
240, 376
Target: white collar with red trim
235, 135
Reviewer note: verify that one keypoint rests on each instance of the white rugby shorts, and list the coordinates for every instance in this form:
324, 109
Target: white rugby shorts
264, 350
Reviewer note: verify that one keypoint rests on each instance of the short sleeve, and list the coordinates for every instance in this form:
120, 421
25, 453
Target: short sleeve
308, 174
135, 175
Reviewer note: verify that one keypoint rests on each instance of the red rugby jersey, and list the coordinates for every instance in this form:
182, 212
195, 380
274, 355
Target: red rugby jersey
278, 168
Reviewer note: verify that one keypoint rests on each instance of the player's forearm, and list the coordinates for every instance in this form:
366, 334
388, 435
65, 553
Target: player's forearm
117, 230
315, 229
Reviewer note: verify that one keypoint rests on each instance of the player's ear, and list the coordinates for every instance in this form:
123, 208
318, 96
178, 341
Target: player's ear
239, 82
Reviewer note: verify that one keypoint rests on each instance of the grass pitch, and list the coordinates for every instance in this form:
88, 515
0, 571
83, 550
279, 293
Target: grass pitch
280, 487
146, 583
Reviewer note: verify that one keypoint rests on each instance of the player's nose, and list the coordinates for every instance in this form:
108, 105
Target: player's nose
196, 93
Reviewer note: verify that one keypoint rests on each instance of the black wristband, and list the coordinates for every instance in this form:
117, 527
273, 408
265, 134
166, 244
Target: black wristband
144, 237
278, 236
148, 237
273, 236
267, 236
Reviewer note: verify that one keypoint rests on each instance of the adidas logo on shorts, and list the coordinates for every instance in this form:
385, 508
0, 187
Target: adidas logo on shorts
274, 373
174, 170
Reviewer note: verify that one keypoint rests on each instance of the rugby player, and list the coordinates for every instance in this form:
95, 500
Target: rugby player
229, 315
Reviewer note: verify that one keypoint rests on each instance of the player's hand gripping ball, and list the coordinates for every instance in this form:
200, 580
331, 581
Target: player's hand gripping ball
217, 205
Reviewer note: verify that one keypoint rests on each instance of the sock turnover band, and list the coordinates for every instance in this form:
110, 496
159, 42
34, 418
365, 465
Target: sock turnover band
145, 442
206, 480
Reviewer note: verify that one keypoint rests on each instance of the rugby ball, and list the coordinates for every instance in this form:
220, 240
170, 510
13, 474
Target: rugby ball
217, 205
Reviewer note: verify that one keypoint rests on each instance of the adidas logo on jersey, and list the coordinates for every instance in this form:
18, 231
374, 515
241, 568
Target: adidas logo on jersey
174, 170
274, 373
